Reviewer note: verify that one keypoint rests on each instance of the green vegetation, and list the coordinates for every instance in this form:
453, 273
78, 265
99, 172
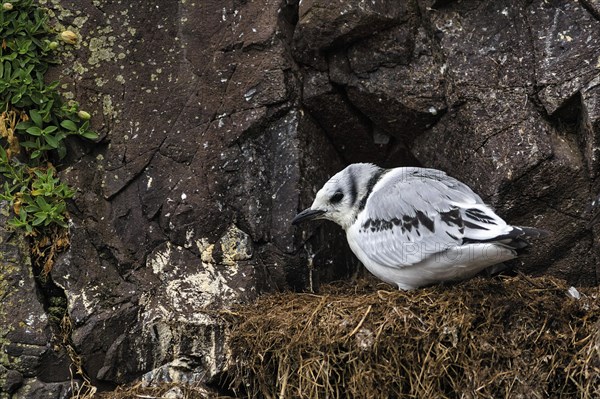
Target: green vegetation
35, 121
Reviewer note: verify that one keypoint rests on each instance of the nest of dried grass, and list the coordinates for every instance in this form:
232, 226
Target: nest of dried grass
161, 391
485, 338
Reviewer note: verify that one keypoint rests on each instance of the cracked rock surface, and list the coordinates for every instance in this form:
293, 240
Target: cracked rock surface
219, 121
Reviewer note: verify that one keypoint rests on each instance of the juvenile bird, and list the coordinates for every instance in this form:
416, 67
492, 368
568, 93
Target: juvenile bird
413, 227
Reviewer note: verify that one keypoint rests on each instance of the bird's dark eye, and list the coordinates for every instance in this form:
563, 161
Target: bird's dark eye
337, 197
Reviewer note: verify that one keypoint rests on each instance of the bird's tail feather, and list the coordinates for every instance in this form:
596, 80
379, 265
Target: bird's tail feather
518, 236
530, 232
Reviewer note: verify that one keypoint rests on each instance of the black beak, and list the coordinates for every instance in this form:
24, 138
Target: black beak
307, 214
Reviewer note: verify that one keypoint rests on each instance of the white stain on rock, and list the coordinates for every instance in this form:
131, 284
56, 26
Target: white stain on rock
161, 259
205, 284
175, 316
206, 249
189, 235
236, 246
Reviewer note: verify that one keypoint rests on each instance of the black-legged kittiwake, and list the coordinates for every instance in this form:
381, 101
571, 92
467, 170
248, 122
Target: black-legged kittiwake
413, 227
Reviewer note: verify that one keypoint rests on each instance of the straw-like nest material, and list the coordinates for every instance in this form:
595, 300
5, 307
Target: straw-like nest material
161, 391
484, 338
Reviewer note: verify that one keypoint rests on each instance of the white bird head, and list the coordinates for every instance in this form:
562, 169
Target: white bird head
343, 196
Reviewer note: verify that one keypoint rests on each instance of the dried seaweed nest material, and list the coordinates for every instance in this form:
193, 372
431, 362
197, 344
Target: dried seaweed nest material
485, 338
161, 391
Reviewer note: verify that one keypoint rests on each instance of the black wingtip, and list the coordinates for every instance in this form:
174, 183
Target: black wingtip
517, 238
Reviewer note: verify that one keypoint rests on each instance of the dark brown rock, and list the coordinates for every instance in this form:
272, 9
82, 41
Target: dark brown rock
401, 98
340, 120
10, 380
589, 126
390, 76
323, 25
25, 329
566, 54
496, 130
219, 122
593, 6
34, 388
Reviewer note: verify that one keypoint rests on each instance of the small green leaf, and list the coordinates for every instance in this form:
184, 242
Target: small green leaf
8, 68
48, 106
90, 135
41, 202
69, 125
37, 97
50, 129
29, 144
32, 208
36, 118
15, 223
34, 131
16, 98
51, 140
38, 220
23, 125
53, 85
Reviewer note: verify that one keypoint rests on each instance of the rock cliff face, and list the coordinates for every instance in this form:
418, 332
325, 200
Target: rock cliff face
219, 121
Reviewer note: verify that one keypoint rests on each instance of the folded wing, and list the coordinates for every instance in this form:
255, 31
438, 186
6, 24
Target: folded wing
417, 213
